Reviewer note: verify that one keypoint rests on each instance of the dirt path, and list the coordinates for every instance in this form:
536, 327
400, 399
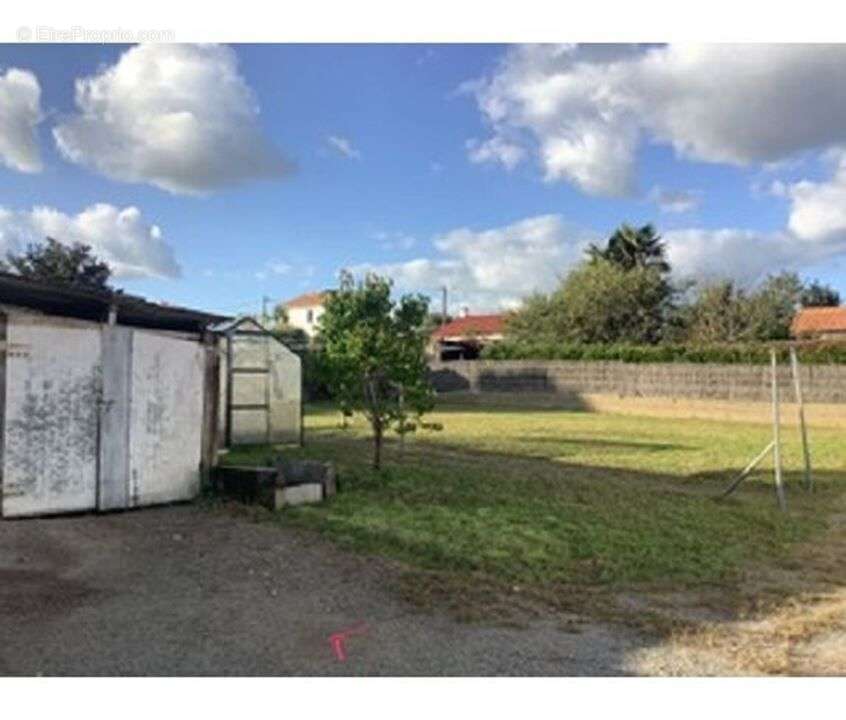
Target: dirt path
804, 633
182, 591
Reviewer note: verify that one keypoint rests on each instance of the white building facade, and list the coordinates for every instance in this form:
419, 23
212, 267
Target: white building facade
304, 312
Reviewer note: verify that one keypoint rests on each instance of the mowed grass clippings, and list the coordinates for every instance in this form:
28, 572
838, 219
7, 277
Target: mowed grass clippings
550, 503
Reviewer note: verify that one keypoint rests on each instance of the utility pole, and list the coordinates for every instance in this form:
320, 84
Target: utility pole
264, 300
444, 306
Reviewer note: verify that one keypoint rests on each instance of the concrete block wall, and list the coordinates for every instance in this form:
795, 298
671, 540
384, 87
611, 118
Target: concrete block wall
751, 383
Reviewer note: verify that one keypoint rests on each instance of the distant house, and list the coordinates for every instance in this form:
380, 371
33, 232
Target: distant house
465, 337
820, 323
305, 310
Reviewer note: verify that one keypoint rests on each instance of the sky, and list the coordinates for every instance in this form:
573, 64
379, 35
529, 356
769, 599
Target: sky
214, 176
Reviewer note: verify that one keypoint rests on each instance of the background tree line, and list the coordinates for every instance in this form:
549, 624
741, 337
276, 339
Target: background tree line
622, 293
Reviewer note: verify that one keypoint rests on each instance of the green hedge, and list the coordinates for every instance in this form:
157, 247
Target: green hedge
752, 353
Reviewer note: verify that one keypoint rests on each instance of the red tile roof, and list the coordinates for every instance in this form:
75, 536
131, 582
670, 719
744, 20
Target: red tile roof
472, 325
311, 299
815, 320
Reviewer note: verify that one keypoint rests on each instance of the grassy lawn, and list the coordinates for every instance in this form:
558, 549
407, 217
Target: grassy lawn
546, 498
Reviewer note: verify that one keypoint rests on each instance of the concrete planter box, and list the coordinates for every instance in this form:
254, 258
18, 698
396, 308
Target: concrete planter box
290, 482
298, 495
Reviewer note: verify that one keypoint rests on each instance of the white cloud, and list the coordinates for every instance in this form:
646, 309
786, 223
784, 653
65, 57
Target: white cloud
675, 201
495, 149
584, 110
742, 255
343, 147
122, 237
179, 117
496, 268
491, 269
818, 209
20, 113
815, 232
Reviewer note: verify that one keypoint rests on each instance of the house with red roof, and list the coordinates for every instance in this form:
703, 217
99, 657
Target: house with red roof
466, 336
820, 323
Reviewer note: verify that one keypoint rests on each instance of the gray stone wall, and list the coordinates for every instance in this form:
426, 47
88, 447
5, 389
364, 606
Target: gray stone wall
820, 383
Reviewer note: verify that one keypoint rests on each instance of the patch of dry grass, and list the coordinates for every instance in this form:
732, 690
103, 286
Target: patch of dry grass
789, 619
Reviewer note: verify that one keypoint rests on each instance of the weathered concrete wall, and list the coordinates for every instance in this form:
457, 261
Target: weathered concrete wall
820, 383
831, 415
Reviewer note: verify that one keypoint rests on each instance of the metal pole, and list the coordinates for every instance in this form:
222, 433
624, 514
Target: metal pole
267, 380
797, 383
444, 306
748, 469
302, 406
776, 433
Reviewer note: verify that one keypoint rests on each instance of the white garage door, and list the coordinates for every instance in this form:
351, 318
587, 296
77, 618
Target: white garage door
166, 419
98, 417
50, 429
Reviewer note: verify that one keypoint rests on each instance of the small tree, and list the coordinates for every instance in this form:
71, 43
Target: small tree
56, 262
724, 312
374, 350
816, 294
720, 313
773, 305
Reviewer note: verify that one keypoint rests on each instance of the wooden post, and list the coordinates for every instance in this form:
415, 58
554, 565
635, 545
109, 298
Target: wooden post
211, 404
229, 390
776, 433
797, 383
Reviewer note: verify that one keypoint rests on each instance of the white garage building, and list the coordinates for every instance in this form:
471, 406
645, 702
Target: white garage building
108, 401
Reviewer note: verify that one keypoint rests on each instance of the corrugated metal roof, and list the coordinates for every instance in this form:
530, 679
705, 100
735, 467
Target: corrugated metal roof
89, 304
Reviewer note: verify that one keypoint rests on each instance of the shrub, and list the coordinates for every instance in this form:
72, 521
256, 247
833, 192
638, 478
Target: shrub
745, 353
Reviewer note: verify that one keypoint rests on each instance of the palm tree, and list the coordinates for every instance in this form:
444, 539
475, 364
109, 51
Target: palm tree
631, 247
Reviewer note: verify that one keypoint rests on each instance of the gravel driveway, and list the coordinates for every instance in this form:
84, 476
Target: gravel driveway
183, 591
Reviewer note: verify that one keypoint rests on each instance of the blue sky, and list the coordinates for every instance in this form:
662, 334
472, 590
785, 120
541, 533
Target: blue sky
486, 168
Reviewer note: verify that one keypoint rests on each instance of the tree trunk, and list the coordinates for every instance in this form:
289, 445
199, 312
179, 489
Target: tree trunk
402, 423
377, 446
